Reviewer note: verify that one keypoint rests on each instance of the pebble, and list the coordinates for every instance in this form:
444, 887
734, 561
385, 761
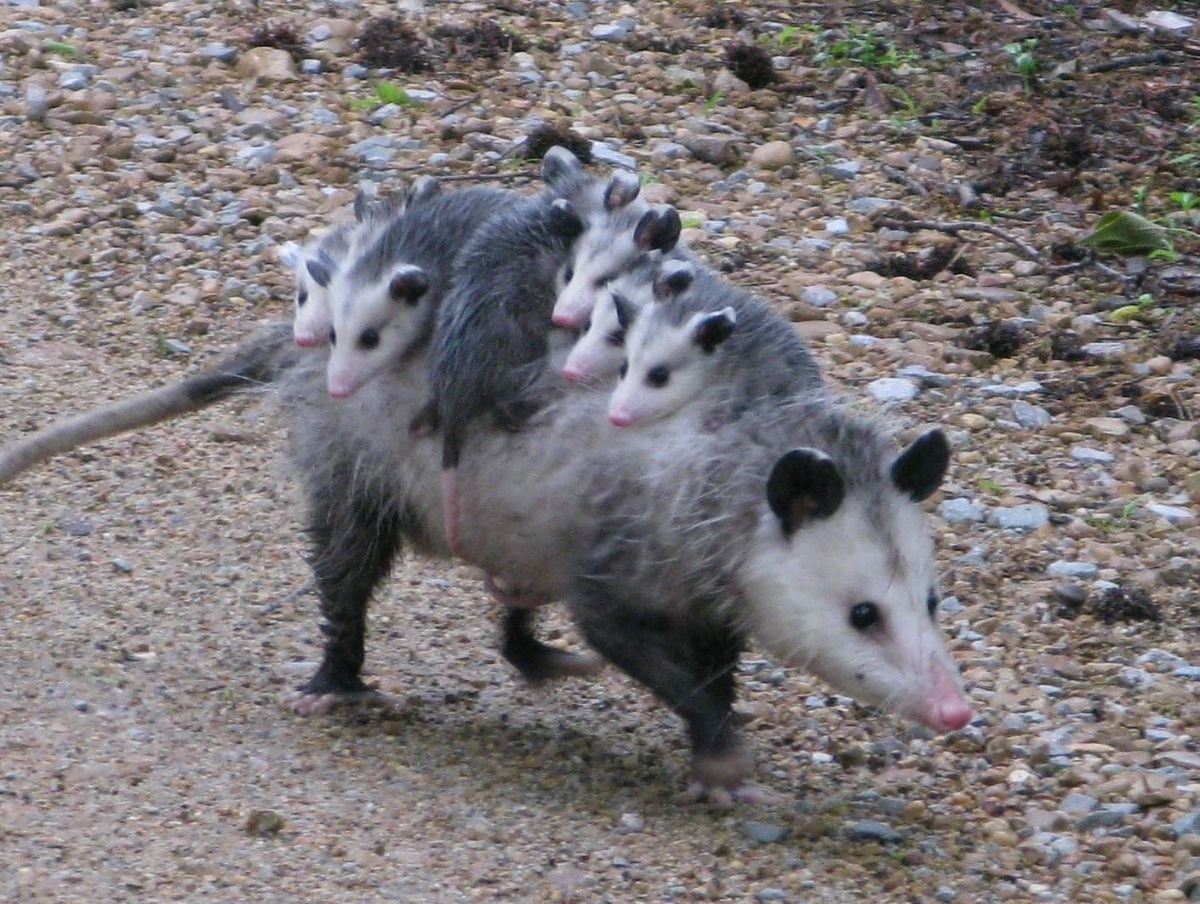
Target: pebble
1131, 414
1103, 350
893, 389
871, 830
1170, 513
602, 153
1088, 455
1076, 802
123, 566
845, 170
1064, 569
632, 823
1029, 516
1107, 427
925, 377
762, 832
613, 32
1030, 416
770, 894
1105, 817
818, 296
956, 511
837, 226
1188, 824
869, 205
225, 53
773, 155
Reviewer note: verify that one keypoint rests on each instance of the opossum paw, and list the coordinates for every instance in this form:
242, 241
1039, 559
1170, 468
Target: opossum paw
308, 703
722, 779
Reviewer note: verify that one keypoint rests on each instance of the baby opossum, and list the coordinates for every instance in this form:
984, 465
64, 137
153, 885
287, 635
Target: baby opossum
711, 344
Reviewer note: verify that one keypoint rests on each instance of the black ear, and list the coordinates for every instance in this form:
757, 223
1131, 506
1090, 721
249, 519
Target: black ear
622, 189
565, 221
321, 268
408, 285
673, 279
558, 165
658, 229
422, 189
627, 311
919, 469
804, 484
710, 330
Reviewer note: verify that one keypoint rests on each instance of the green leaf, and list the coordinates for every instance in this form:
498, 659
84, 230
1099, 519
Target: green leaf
58, 47
391, 93
362, 103
1125, 314
1125, 232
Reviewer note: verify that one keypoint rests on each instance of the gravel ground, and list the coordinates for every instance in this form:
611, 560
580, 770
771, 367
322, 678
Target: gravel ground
153, 585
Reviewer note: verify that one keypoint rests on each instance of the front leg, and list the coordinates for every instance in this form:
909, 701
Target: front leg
691, 669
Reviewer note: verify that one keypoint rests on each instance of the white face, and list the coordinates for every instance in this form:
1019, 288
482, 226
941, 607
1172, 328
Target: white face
597, 354
831, 600
311, 318
374, 326
597, 258
664, 370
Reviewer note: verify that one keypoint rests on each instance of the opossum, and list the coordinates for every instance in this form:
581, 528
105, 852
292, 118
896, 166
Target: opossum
315, 262
251, 366
671, 545
385, 300
598, 353
713, 343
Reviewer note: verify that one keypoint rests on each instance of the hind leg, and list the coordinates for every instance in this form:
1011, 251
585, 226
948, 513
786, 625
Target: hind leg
354, 546
536, 661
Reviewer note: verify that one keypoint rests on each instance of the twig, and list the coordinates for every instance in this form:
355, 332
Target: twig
309, 583
1123, 278
1027, 250
1127, 62
904, 179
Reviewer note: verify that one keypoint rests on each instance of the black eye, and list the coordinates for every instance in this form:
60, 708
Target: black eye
616, 338
568, 274
864, 616
932, 604
301, 297
603, 281
332, 336
658, 377
369, 338
624, 369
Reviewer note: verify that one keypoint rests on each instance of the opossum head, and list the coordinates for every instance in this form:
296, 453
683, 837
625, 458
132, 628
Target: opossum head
614, 243
375, 326
840, 579
599, 351
313, 270
668, 364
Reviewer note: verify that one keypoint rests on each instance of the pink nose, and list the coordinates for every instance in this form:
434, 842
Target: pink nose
573, 374
952, 715
340, 390
307, 340
558, 318
620, 418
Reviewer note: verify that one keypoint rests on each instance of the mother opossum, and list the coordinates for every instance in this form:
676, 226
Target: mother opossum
670, 545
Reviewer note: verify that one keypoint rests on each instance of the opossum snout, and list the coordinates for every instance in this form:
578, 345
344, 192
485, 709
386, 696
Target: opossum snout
306, 340
944, 708
573, 374
620, 418
567, 321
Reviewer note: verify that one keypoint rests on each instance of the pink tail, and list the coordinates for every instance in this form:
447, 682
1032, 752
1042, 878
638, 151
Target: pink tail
450, 509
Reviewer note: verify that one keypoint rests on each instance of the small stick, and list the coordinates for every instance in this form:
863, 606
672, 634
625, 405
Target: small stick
1127, 62
903, 178
954, 228
291, 596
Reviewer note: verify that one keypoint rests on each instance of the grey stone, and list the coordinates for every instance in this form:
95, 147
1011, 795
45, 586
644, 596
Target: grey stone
719, 149
869, 205
81, 706
956, 511
1065, 569
1155, 656
602, 153
893, 389
762, 832
1104, 817
1170, 513
1088, 455
1190, 672
669, 150
36, 102
1131, 414
1054, 846
1075, 802
356, 70
225, 53
256, 154
319, 33
75, 79
175, 347
845, 170
818, 296
1070, 593
612, 32
951, 605
1004, 389
1134, 678
1188, 824
855, 319
311, 66
1030, 416
925, 377
1103, 350
837, 226
632, 823
770, 894
872, 830
421, 95
1029, 516
124, 566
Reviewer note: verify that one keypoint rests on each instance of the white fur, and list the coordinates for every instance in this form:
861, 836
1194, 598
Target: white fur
599, 256
596, 356
361, 308
802, 589
653, 343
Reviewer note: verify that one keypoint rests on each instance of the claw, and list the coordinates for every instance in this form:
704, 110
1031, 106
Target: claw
304, 703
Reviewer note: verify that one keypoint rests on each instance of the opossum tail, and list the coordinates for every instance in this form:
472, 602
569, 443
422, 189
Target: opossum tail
254, 363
